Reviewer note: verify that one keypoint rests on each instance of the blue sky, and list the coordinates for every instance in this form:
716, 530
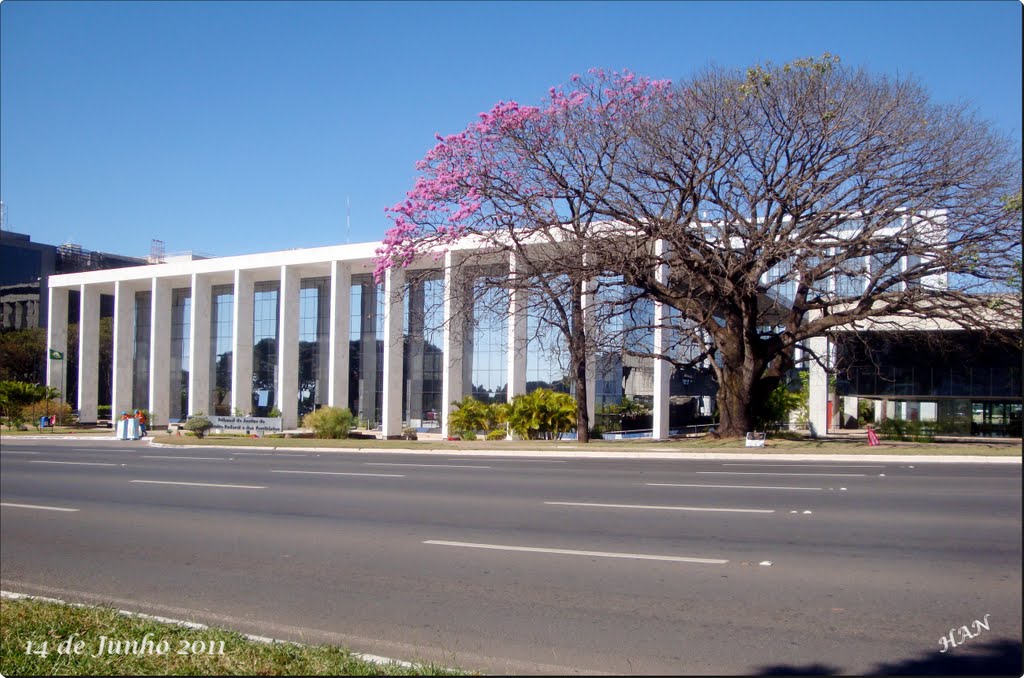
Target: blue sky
238, 127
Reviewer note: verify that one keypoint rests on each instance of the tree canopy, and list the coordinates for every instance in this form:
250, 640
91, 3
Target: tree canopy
764, 208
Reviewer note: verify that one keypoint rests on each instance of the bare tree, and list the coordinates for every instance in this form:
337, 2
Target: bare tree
797, 199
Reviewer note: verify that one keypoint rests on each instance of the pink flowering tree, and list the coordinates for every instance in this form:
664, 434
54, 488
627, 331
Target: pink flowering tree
519, 181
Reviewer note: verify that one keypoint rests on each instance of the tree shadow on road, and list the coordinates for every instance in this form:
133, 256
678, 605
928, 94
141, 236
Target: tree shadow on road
996, 658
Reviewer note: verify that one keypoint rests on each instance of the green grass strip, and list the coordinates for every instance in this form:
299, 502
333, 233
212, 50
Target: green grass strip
46, 638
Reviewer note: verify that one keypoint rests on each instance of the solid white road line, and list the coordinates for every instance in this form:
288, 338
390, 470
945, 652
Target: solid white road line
168, 482
660, 508
571, 552
736, 487
41, 508
770, 465
17, 452
387, 463
766, 473
75, 463
161, 456
338, 473
254, 454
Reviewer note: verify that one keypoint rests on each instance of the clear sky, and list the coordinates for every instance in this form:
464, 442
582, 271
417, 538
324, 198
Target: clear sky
239, 127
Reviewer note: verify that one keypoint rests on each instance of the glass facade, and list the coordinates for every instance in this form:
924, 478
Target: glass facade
181, 311
547, 362
221, 342
140, 350
487, 347
314, 342
366, 351
424, 353
967, 384
264, 349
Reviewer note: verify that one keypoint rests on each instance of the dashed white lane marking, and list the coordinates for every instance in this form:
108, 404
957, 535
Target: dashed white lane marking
572, 552
770, 465
768, 473
169, 482
161, 456
388, 463
660, 508
523, 460
74, 463
254, 454
17, 452
736, 487
339, 473
40, 508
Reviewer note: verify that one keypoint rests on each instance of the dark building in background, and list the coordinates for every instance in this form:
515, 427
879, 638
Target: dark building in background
25, 268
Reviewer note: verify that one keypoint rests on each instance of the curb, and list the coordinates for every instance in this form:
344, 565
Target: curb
375, 659
654, 455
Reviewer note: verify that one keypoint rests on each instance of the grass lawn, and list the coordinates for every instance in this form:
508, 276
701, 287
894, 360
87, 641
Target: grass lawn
187, 651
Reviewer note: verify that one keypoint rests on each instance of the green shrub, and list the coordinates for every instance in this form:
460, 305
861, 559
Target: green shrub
329, 422
198, 425
103, 412
469, 415
916, 431
542, 414
468, 435
63, 412
497, 434
865, 412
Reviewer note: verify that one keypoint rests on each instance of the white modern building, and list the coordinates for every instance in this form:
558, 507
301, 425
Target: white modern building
286, 332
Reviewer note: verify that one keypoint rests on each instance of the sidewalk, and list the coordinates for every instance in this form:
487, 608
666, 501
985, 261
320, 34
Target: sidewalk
655, 450
652, 452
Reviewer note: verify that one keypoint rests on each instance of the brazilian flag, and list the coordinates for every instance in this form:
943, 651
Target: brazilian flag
56, 355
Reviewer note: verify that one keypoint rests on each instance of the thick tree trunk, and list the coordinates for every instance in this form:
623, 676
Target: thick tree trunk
735, 401
578, 357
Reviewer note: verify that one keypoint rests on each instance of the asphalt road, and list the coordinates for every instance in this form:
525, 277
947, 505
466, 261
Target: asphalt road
522, 565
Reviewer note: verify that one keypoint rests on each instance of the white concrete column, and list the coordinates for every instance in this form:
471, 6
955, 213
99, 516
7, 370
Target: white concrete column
391, 416
662, 368
454, 338
851, 409
160, 352
590, 329
242, 336
199, 346
124, 324
517, 338
288, 348
339, 345
818, 386
88, 353
57, 339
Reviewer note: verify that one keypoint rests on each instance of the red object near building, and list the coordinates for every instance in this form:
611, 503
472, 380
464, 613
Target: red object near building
872, 438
